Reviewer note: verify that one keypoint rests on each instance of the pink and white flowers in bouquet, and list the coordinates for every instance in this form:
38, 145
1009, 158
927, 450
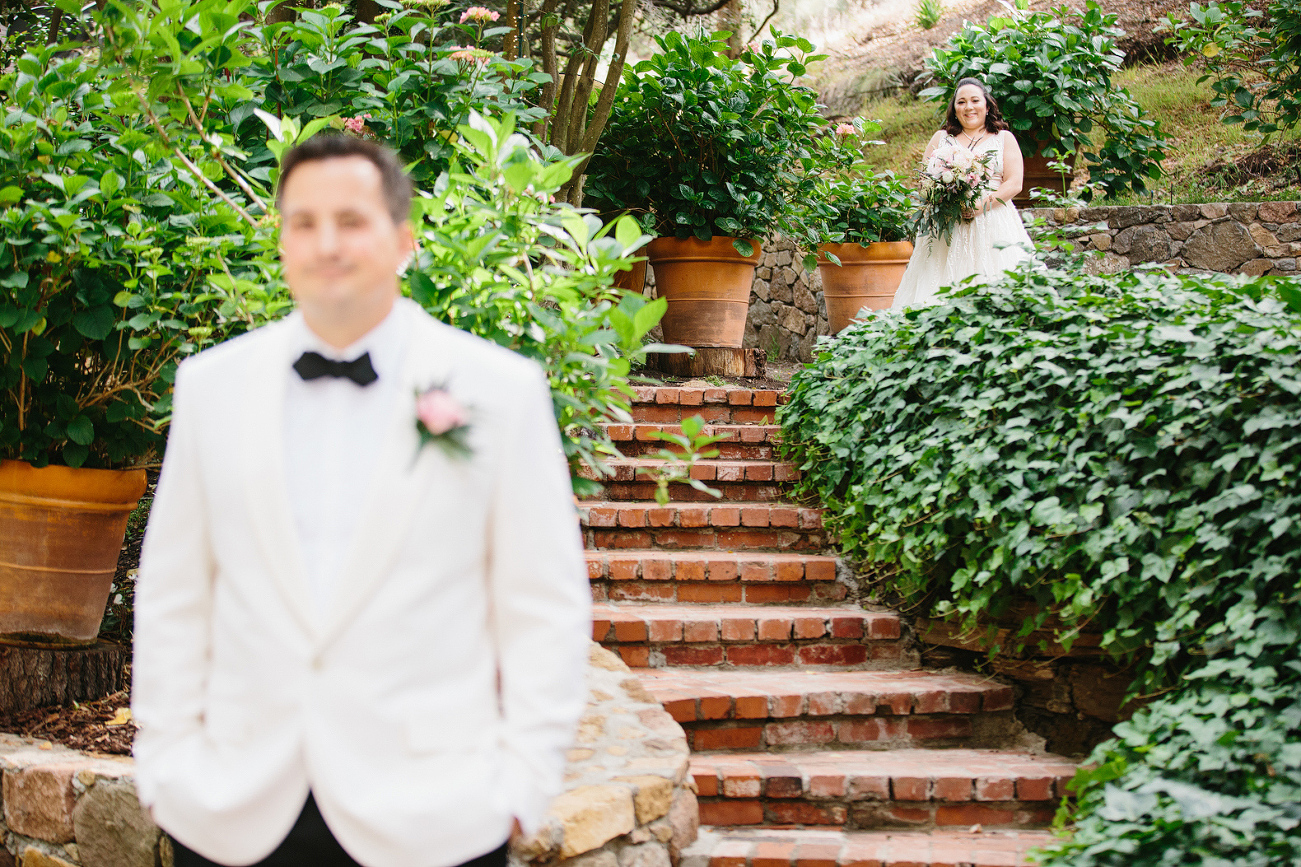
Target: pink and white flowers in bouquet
952, 183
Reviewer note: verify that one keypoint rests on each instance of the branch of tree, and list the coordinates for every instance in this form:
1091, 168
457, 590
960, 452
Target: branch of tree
551, 23
583, 87
776, 4
688, 8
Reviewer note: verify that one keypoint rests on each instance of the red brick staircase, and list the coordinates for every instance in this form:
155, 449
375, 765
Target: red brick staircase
817, 739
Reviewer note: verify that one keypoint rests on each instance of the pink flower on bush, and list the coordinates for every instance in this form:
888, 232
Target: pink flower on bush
356, 125
466, 54
479, 13
846, 129
439, 412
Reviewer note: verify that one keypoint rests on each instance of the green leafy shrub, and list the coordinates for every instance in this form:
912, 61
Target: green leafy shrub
1256, 69
700, 144
206, 67
1124, 451
136, 200
849, 202
1210, 775
499, 260
1051, 75
1115, 448
103, 274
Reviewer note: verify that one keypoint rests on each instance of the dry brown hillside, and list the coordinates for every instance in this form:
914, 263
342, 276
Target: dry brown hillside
880, 47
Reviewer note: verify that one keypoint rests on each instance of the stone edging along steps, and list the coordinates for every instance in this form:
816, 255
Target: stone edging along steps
817, 740
628, 798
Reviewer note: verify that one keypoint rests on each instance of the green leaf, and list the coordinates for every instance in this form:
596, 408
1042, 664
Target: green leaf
94, 323
81, 431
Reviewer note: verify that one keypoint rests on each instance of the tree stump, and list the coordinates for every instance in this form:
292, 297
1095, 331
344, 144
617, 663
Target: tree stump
40, 676
711, 361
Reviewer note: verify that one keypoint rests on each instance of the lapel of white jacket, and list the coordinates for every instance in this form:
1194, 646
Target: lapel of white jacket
265, 486
405, 472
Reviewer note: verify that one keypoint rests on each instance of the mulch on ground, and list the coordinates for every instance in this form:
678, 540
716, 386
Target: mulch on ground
102, 726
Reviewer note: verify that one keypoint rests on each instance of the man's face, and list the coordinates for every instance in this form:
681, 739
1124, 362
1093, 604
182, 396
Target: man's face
340, 248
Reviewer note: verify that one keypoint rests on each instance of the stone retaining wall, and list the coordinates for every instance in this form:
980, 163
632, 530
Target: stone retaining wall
1240, 238
628, 800
787, 313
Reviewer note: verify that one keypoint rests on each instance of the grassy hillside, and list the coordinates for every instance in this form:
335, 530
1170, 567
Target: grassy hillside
1202, 150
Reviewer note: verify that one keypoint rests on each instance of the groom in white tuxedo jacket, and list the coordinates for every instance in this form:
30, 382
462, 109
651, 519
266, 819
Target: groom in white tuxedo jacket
352, 648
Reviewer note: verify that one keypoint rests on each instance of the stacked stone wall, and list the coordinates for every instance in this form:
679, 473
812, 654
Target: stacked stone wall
628, 799
1252, 238
787, 313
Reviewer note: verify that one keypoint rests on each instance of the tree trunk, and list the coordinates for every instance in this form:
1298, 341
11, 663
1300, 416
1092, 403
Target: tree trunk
36, 676
510, 45
366, 11
733, 15
711, 361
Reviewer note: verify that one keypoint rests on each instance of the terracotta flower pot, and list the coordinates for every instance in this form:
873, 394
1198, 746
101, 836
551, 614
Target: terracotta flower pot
1037, 174
866, 277
61, 531
707, 286
633, 280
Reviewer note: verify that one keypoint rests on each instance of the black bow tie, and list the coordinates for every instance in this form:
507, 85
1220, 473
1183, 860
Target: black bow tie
313, 365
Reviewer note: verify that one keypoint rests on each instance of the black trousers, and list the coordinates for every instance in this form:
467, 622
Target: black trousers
310, 844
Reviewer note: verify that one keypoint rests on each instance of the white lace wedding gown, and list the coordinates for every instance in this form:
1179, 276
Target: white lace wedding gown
988, 245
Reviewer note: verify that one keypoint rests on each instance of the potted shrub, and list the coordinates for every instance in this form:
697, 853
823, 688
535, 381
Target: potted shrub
710, 150
864, 266
859, 222
1051, 75
102, 291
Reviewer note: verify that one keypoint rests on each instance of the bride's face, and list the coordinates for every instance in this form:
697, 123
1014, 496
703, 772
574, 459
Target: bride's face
969, 104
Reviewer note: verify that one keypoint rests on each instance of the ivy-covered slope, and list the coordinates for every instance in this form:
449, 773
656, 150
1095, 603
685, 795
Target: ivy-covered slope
1124, 451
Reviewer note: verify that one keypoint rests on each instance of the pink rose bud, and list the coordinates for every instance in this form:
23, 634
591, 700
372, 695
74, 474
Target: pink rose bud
439, 412
846, 129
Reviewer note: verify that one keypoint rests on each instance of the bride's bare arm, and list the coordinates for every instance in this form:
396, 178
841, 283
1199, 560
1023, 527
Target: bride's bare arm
932, 145
1013, 173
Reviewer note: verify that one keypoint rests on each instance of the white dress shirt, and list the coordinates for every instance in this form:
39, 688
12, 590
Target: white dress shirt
334, 430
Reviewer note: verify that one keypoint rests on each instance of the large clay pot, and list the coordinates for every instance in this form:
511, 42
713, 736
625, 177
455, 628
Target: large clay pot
866, 277
61, 531
633, 280
1037, 174
707, 286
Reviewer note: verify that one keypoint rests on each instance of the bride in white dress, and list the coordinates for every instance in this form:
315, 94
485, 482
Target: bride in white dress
992, 238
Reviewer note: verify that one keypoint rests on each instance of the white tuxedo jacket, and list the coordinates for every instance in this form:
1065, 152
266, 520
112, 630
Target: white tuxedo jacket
435, 700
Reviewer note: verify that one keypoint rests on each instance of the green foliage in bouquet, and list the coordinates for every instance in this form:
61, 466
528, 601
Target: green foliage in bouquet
701, 144
1125, 452
1255, 66
1051, 75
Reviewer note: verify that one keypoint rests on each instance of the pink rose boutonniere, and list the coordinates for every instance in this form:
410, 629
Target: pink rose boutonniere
442, 421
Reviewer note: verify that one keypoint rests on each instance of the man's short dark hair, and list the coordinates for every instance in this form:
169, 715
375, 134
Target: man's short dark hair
326, 146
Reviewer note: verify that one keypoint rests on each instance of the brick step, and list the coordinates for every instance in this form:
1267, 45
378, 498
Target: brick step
633, 479
806, 847
711, 470
756, 577
861, 790
740, 441
613, 524
723, 405
659, 636
862, 709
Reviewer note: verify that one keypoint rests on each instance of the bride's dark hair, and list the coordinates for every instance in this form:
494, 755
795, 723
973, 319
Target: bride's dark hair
993, 117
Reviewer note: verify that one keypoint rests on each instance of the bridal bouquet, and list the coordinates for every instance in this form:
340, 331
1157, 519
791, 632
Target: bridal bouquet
952, 181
